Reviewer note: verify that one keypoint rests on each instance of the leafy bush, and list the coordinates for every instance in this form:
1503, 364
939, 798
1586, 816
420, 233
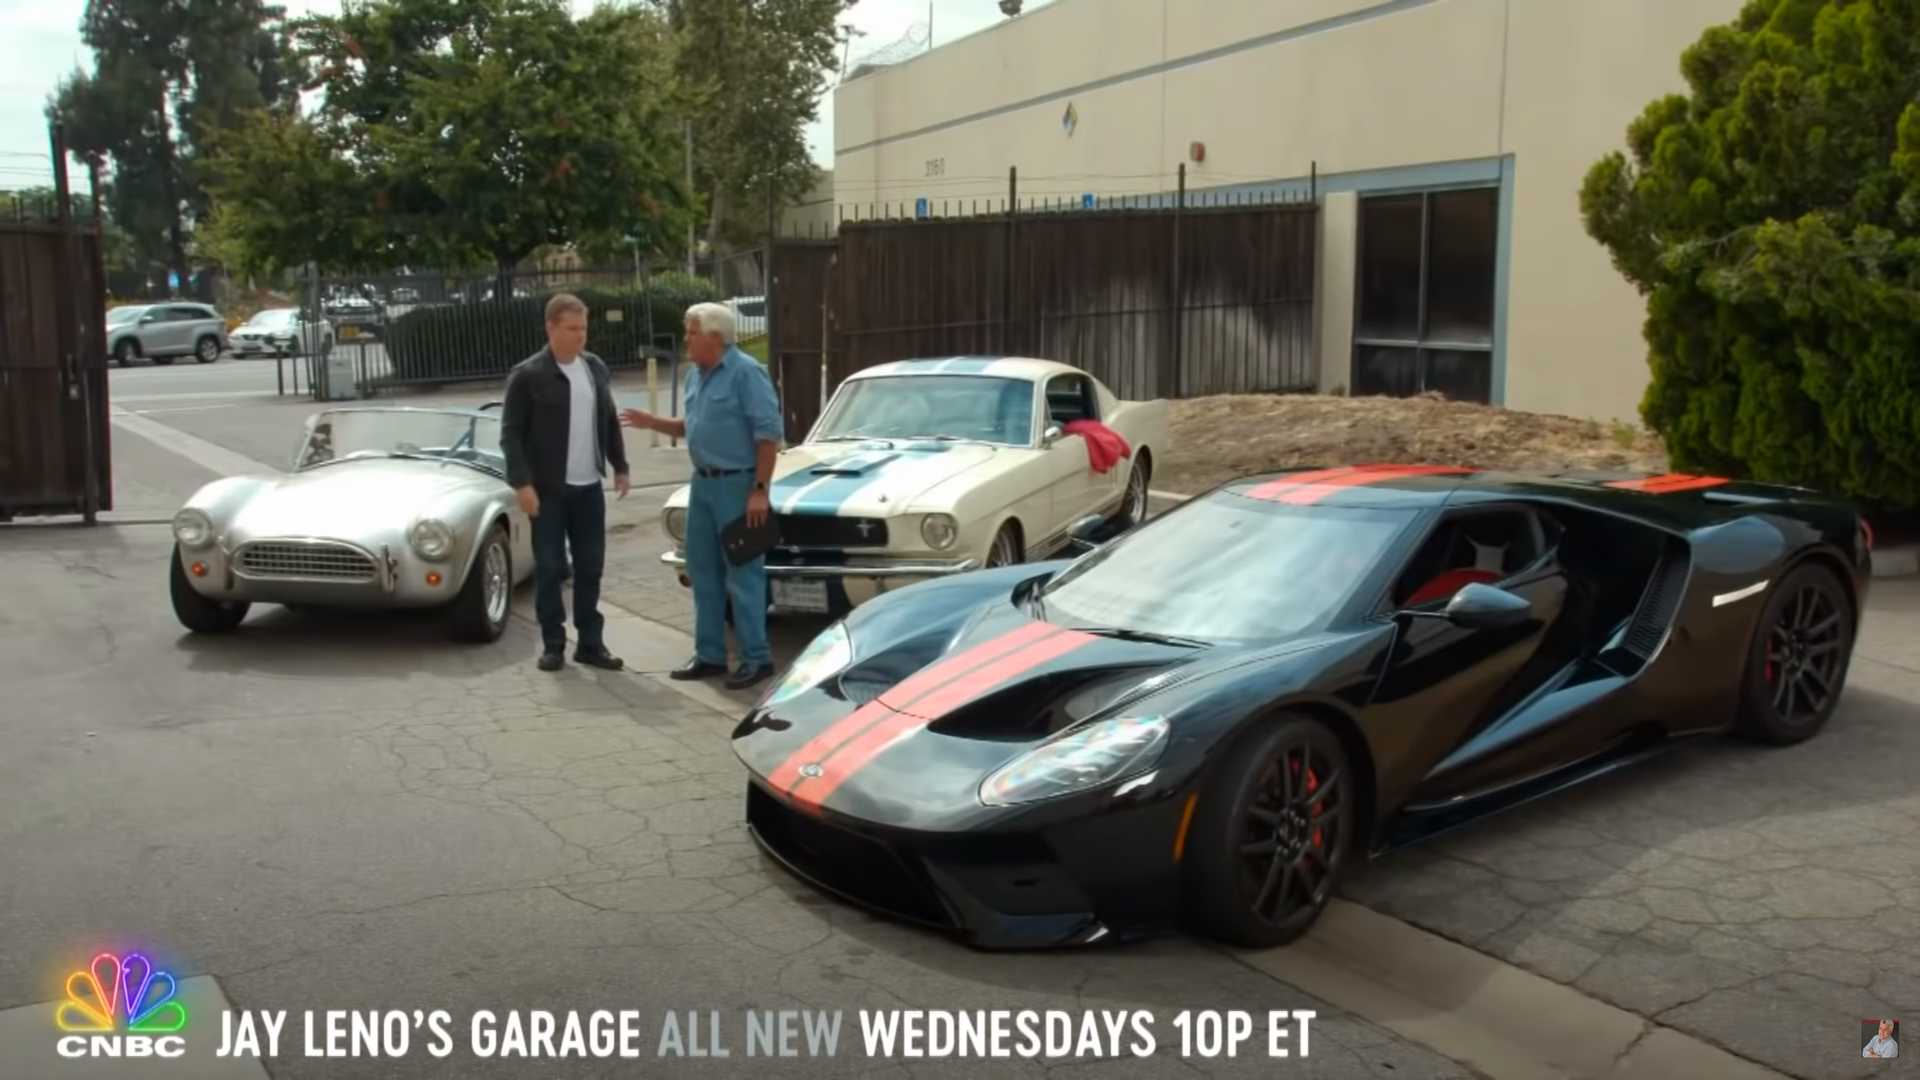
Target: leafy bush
477, 340
1772, 219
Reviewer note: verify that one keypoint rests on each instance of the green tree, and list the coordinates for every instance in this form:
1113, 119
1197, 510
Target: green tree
1772, 218
167, 77
751, 74
458, 134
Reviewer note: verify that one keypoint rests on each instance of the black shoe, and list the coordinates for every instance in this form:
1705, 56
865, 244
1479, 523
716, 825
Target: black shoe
552, 660
599, 658
744, 676
697, 668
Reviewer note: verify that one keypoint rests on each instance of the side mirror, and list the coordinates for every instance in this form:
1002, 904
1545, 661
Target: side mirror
1087, 531
1483, 607
1053, 434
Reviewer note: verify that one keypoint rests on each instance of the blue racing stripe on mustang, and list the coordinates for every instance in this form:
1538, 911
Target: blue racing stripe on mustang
824, 493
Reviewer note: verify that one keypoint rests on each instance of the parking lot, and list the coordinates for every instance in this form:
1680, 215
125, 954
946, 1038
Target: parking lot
348, 812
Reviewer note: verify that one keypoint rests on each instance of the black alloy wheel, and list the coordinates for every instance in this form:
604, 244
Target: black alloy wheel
1800, 656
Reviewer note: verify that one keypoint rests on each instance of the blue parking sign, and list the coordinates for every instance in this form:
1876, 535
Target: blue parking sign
1086, 201
173, 279
922, 208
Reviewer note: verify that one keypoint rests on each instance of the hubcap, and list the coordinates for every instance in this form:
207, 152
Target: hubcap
1002, 554
1137, 496
1289, 842
1803, 655
494, 584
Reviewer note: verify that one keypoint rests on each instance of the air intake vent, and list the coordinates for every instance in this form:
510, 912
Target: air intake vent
1655, 614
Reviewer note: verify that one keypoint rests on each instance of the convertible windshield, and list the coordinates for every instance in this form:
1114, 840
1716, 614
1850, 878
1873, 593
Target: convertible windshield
348, 434
974, 407
1230, 568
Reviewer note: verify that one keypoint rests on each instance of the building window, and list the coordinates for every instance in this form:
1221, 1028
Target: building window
1425, 295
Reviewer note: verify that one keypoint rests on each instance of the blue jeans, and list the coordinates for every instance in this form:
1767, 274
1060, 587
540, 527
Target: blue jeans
576, 519
715, 503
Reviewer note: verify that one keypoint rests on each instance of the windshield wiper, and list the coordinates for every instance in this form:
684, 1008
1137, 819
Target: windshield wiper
1121, 633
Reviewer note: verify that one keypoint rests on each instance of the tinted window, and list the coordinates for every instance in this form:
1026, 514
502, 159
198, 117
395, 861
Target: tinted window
1228, 568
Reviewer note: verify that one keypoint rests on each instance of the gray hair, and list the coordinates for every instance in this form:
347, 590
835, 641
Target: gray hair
713, 319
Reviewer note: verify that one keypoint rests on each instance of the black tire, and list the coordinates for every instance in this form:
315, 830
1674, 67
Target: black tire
1134, 504
1264, 855
207, 349
479, 613
124, 353
198, 613
1006, 549
1798, 660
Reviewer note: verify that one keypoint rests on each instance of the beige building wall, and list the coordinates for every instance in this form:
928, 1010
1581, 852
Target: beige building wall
1378, 95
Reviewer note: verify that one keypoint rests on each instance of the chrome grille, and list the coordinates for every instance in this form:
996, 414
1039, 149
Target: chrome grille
324, 561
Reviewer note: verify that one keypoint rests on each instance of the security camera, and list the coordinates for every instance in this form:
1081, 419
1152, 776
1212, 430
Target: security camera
1010, 7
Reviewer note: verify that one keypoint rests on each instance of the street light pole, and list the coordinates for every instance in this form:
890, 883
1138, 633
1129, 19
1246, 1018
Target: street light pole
690, 269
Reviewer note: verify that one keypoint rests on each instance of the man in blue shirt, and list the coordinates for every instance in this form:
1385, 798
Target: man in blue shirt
730, 417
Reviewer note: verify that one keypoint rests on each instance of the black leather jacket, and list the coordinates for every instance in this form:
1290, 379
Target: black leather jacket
534, 421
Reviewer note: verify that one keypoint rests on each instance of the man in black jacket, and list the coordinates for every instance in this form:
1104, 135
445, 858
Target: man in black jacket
559, 430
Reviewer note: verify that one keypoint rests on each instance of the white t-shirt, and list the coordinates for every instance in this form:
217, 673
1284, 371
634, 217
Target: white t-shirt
583, 459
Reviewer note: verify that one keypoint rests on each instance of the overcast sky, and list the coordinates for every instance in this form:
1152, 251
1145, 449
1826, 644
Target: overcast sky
40, 43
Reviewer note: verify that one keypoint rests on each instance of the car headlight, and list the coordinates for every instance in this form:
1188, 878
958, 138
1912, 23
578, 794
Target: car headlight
824, 657
939, 531
675, 521
430, 539
193, 528
1077, 760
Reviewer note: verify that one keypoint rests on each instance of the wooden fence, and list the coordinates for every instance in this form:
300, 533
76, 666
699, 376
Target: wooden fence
1170, 298
54, 442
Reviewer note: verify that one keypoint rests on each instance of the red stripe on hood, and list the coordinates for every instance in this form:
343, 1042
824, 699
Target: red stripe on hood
818, 748
1669, 482
854, 755
1302, 489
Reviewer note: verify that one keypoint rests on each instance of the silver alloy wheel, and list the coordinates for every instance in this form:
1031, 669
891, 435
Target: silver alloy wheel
494, 584
209, 350
1003, 553
1137, 495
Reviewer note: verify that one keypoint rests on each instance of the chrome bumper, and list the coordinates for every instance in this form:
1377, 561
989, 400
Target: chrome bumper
867, 569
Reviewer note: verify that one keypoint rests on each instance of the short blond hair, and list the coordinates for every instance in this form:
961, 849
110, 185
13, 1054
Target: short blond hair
562, 304
713, 319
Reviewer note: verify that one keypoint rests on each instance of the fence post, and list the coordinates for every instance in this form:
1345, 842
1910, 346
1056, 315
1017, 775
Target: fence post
775, 368
1006, 285
317, 376
1173, 376
71, 362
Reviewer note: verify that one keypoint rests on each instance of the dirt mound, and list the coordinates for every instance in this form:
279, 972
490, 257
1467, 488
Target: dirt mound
1218, 438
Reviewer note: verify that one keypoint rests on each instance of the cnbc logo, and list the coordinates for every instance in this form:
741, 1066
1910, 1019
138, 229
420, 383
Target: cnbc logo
121, 1007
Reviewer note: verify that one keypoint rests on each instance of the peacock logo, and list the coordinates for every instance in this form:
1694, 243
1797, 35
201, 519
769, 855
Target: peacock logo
121, 1007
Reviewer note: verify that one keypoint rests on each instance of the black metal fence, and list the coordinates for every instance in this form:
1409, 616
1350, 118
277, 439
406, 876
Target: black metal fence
382, 331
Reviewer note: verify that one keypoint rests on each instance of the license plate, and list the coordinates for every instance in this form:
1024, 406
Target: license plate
801, 595
349, 331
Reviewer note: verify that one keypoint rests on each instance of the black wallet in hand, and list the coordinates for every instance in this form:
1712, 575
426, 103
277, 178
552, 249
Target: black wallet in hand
745, 543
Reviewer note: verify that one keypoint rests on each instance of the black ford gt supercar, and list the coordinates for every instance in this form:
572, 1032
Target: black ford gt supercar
1207, 719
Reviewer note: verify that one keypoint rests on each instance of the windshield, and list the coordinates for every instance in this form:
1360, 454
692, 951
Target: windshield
120, 315
974, 407
348, 434
1229, 568
276, 317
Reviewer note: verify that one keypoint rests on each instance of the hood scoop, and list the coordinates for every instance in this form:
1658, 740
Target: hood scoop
1033, 709
852, 465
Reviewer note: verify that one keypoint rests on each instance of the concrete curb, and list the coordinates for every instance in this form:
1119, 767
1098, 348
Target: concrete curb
1489, 1015
1901, 560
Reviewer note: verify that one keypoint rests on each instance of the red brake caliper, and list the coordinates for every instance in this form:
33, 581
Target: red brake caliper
1313, 785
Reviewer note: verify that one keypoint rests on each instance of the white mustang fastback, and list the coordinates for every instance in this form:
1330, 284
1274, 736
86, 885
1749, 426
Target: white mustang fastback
923, 468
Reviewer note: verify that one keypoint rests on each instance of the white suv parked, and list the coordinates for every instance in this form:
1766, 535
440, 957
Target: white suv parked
164, 331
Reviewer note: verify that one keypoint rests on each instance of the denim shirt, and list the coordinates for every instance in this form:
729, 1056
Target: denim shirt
729, 410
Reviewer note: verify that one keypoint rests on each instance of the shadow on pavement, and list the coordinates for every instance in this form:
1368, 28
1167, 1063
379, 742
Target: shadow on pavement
318, 642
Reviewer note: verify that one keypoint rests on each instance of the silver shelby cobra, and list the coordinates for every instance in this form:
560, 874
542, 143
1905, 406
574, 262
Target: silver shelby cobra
386, 507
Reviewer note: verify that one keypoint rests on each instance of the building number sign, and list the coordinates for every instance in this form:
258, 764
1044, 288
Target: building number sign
937, 166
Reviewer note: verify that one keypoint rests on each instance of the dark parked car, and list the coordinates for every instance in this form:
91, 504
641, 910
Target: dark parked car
1214, 715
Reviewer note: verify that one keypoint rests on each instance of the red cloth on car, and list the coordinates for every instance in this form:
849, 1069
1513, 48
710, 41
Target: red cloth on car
1105, 446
